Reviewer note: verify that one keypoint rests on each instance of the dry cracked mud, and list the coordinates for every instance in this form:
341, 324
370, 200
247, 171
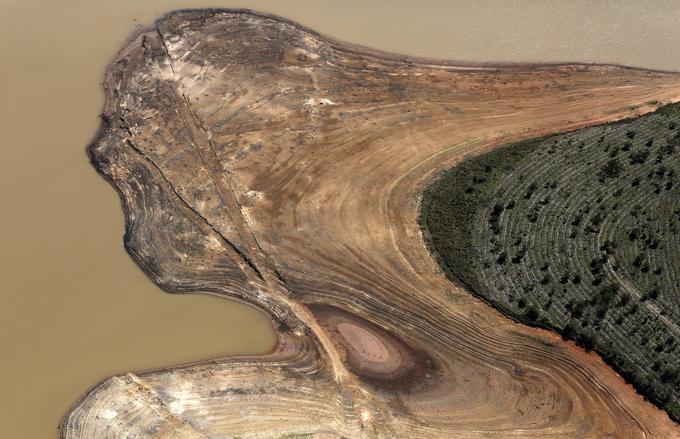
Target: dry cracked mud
259, 160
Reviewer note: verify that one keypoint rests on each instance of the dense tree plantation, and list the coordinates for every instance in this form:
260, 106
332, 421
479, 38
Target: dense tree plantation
578, 232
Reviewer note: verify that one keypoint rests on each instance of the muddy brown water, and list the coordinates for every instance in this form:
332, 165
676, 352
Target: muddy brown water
75, 309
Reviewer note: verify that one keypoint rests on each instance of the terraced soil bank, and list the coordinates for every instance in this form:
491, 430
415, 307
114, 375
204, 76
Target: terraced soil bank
576, 232
259, 160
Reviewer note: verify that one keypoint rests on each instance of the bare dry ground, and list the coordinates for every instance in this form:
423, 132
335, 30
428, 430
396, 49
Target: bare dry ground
258, 160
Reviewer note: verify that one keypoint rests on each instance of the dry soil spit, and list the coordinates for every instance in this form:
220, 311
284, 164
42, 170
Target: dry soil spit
259, 160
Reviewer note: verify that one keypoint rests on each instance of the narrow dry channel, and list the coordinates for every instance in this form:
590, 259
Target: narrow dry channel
75, 308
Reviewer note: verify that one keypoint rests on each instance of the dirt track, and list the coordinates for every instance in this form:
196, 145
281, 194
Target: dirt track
259, 160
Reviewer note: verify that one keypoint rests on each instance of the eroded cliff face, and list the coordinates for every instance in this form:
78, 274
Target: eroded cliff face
258, 160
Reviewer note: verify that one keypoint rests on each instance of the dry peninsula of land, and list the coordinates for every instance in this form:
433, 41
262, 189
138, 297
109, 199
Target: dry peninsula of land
259, 160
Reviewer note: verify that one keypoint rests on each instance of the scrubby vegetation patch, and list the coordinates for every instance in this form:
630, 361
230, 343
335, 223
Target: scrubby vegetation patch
578, 232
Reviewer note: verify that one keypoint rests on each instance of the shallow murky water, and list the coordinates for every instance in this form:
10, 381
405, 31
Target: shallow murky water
75, 308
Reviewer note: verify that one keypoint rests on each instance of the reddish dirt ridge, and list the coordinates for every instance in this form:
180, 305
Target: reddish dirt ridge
259, 160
